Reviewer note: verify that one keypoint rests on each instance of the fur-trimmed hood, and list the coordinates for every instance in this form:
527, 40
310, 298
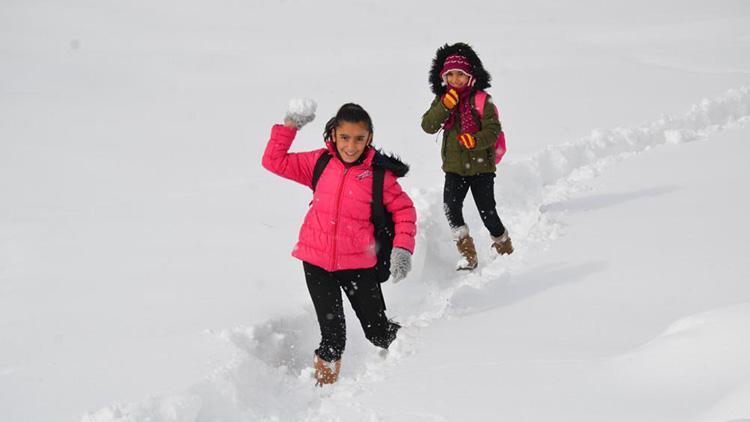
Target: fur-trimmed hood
481, 76
390, 162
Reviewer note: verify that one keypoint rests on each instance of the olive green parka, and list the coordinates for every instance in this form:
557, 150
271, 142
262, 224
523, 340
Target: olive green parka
457, 158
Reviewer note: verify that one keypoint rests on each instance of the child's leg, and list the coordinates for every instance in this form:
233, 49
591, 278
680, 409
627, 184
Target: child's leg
326, 297
454, 192
483, 191
363, 290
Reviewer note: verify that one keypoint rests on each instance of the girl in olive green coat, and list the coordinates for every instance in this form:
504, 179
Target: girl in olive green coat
468, 148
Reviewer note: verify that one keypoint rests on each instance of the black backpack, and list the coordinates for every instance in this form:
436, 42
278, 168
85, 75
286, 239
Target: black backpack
381, 218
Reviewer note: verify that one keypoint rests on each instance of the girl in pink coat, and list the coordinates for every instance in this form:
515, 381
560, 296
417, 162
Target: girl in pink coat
337, 239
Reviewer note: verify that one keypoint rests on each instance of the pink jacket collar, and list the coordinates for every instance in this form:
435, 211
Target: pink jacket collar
369, 153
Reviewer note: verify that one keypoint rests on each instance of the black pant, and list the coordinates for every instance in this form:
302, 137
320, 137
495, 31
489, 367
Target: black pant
366, 298
482, 189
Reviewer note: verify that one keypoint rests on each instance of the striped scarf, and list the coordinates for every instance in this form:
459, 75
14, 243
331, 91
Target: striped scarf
468, 123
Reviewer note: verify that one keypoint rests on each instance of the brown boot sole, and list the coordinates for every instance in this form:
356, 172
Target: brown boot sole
467, 265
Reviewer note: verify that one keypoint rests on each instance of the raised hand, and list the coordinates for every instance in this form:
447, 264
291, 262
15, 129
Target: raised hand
450, 99
300, 112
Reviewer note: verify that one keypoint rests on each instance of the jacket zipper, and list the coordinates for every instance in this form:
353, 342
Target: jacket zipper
336, 222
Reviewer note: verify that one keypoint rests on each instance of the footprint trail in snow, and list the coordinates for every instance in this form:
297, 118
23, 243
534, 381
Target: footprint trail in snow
270, 378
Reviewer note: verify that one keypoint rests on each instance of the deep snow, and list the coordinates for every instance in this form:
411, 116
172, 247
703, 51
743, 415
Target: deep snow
572, 327
144, 253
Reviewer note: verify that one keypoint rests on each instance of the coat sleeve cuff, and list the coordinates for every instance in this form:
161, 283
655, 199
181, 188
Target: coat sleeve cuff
283, 131
404, 242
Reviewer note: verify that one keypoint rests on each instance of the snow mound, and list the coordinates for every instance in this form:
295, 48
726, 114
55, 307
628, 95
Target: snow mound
702, 354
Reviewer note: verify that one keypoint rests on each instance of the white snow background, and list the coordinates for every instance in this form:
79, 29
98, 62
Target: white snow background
145, 268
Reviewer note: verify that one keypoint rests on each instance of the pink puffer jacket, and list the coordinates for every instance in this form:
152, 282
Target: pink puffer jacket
337, 233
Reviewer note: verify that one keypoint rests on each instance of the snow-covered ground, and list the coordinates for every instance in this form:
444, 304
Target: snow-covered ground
144, 253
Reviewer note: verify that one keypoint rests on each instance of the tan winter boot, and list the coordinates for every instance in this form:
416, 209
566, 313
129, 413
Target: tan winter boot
326, 372
502, 244
466, 248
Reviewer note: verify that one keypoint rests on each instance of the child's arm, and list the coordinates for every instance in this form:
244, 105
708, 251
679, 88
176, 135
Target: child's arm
433, 118
278, 160
401, 207
491, 127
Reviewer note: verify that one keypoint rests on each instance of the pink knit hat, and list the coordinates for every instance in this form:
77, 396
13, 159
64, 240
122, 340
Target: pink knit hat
457, 62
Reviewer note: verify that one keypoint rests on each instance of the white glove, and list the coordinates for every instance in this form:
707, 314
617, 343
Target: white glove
301, 111
400, 264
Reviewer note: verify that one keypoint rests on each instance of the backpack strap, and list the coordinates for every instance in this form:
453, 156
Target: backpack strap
378, 208
320, 165
382, 222
480, 98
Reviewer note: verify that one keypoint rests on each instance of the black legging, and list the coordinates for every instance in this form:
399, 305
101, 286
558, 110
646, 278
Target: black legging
482, 189
366, 298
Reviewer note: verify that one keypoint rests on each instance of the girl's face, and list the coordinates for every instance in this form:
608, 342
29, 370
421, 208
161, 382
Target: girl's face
457, 79
351, 139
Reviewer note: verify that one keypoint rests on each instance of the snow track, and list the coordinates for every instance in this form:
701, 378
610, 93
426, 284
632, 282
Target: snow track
270, 378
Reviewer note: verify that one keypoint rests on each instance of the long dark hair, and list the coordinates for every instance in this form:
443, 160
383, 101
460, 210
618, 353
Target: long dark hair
349, 112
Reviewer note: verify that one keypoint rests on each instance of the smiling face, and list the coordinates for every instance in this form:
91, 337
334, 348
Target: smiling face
456, 78
351, 139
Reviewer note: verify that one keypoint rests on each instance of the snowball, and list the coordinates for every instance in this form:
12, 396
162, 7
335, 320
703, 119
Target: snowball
302, 107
